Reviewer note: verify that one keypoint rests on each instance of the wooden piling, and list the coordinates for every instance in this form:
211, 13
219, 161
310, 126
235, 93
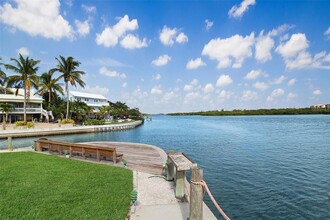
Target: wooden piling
196, 194
10, 144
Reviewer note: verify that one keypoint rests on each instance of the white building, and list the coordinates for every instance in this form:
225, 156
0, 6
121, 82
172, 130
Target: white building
320, 106
34, 108
95, 101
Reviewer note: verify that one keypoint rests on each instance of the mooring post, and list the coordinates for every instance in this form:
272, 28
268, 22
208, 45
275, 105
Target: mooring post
196, 193
170, 167
10, 144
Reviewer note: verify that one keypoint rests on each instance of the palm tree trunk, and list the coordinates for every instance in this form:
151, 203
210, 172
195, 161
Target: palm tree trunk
49, 97
24, 105
3, 122
67, 100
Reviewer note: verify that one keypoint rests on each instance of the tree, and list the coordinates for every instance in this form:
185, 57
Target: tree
2, 76
80, 109
49, 85
68, 69
5, 108
25, 78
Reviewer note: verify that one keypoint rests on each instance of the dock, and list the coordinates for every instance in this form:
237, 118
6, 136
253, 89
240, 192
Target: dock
140, 157
31, 132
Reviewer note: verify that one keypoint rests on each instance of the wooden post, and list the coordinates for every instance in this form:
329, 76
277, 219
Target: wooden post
196, 194
170, 169
10, 144
179, 184
37, 146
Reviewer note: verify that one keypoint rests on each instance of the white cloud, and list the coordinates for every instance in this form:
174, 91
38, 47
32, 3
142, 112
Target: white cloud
110, 35
194, 64
291, 82
82, 28
194, 82
168, 96
224, 80
37, 18
276, 93
161, 60
208, 88
327, 33
132, 42
296, 56
188, 88
23, 51
111, 74
208, 24
296, 44
238, 11
224, 95
89, 9
279, 80
317, 92
157, 76
249, 95
167, 36
253, 74
192, 96
138, 93
124, 85
260, 85
292, 96
96, 90
264, 45
181, 38
156, 90
225, 51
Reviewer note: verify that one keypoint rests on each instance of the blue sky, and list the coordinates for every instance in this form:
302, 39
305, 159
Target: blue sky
178, 56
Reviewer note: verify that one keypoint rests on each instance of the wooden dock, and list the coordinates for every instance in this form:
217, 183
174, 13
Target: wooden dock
139, 157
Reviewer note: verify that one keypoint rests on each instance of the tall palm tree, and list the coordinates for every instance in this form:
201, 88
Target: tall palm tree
5, 108
68, 69
50, 85
25, 78
2, 76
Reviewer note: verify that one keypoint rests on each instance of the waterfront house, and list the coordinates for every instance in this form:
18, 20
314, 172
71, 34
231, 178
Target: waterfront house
320, 106
34, 109
95, 101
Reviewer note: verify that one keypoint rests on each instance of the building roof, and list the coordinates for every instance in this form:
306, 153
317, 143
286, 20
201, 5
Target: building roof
18, 98
87, 95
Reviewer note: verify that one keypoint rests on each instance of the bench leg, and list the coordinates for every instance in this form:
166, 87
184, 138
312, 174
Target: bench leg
170, 170
179, 184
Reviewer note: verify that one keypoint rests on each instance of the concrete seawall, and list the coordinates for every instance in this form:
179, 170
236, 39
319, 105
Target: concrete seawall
30, 132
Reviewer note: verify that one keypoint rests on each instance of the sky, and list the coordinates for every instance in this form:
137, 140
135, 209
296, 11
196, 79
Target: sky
180, 56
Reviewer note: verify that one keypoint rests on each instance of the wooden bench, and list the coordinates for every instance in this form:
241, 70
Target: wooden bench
83, 150
177, 163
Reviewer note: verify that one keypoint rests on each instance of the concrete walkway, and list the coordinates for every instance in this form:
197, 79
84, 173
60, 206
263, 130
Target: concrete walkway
156, 200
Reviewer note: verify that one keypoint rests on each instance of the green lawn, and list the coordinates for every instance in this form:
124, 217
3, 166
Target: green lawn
36, 186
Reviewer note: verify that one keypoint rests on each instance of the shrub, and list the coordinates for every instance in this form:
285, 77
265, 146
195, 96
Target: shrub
29, 124
94, 122
19, 123
69, 121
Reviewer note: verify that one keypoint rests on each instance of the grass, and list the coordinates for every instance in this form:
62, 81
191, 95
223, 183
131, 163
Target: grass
36, 186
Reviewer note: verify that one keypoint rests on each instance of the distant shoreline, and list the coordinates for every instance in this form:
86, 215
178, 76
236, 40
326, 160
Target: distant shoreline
282, 111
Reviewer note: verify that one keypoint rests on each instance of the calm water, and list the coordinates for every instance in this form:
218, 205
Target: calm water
258, 167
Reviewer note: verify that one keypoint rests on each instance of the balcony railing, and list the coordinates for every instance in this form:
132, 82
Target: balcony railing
28, 110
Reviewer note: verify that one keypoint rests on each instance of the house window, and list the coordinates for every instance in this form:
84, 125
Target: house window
86, 99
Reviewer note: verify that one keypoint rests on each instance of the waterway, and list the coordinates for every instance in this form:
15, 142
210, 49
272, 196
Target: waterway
258, 167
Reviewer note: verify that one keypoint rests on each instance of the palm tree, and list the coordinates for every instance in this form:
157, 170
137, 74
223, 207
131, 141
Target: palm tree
50, 85
26, 76
68, 69
5, 108
2, 76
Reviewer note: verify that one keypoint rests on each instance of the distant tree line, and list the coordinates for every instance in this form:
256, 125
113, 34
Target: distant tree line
281, 111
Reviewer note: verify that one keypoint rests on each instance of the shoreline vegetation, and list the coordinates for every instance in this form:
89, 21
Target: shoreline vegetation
236, 112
